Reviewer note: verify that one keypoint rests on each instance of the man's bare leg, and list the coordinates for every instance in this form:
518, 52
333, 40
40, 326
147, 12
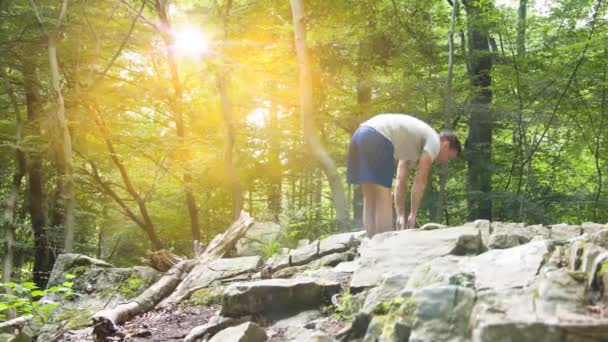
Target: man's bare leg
369, 208
384, 209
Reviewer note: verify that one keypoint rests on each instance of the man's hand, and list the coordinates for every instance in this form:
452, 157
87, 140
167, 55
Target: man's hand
401, 222
411, 221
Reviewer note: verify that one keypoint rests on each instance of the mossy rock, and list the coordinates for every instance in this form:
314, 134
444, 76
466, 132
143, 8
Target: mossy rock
132, 287
208, 296
75, 318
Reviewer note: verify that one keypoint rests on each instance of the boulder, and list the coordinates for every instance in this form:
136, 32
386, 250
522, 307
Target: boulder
539, 331
591, 228
508, 268
67, 263
503, 240
441, 313
406, 249
204, 275
328, 260
258, 237
600, 238
563, 232
276, 296
246, 332
523, 233
390, 288
215, 325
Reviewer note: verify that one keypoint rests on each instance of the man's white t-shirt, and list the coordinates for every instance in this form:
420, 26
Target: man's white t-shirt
410, 136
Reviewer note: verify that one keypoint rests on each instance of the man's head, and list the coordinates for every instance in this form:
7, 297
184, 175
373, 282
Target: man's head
450, 147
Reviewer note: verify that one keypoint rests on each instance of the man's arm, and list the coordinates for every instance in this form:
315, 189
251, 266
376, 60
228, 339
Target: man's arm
422, 176
400, 191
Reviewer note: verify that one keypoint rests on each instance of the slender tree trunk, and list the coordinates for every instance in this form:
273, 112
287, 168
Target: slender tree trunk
521, 28
8, 219
306, 114
183, 151
598, 139
275, 167
448, 111
364, 96
35, 174
235, 185
481, 122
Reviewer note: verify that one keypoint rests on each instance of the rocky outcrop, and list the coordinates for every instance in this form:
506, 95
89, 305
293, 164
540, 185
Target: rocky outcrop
480, 282
276, 295
258, 238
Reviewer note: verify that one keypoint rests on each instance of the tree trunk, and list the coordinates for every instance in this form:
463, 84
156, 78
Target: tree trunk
521, 28
275, 167
481, 123
306, 114
235, 185
598, 139
183, 151
448, 110
35, 175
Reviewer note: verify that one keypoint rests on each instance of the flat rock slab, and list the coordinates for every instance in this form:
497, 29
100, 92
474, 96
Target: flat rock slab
276, 296
402, 251
538, 331
305, 254
507, 268
246, 332
563, 232
67, 261
203, 275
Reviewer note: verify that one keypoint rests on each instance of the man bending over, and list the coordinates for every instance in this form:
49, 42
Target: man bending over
376, 147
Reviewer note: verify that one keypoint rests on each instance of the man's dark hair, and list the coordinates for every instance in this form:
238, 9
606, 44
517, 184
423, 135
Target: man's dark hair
453, 139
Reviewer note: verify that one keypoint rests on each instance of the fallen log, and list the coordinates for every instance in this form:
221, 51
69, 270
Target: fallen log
218, 247
105, 322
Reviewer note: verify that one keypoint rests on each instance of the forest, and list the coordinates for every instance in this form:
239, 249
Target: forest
132, 126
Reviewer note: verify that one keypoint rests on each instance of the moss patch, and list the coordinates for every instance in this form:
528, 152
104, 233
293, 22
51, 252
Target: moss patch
207, 296
75, 318
131, 287
603, 269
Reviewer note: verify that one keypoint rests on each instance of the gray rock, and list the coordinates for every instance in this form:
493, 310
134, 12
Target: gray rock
404, 250
390, 288
258, 237
276, 296
592, 228
507, 268
338, 243
347, 267
328, 260
246, 332
600, 238
203, 275
299, 319
538, 331
520, 230
560, 293
503, 240
375, 329
590, 253
441, 313
326, 273
435, 272
215, 325
563, 232
67, 262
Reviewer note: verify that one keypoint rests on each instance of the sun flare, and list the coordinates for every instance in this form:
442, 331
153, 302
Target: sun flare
190, 41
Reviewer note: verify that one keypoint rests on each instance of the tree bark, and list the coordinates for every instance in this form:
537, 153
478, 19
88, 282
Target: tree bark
481, 122
235, 185
184, 153
64, 162
521, 28
275, 167
306, 114
35, 174
448, 111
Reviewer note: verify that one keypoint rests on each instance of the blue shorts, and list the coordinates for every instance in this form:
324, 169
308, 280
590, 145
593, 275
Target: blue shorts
370, 158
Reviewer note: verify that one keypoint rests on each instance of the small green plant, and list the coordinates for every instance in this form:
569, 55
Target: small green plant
25, 299
346, 309
270, 249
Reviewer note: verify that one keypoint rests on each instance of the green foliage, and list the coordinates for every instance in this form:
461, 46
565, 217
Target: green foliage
207, 296
270, 249
25, 299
